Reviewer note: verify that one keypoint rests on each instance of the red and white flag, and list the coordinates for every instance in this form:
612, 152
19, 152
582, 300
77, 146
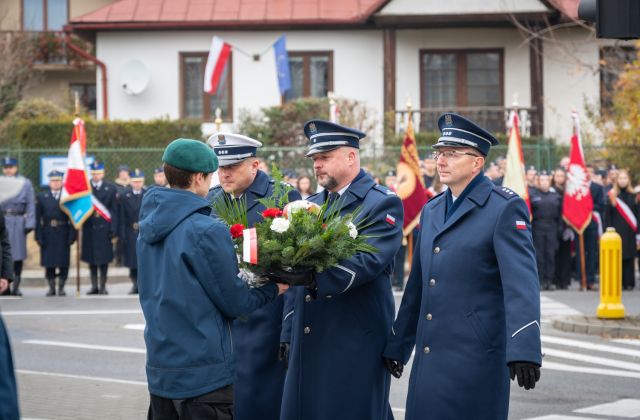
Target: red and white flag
250, 246
514, 175
216, 63
577, 207
75, 200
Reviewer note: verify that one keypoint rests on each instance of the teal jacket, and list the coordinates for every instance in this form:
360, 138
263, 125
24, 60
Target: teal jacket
189, 292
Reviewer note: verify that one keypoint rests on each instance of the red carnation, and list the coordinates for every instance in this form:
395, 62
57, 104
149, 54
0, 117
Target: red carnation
272, 213
236, 230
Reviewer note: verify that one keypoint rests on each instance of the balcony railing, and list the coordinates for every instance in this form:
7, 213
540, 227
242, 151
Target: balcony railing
492, 118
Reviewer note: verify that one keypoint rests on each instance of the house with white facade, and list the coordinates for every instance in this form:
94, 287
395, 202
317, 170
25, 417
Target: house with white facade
477, 58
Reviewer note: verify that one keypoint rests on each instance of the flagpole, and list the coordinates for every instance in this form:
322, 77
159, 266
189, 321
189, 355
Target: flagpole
583, 280
78, 262
77, 106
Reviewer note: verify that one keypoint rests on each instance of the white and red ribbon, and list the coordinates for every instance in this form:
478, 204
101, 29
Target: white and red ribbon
625, 211
598, 219
101, 208
250, 246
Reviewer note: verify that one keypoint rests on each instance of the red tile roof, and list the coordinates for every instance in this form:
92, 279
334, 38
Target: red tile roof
227, 13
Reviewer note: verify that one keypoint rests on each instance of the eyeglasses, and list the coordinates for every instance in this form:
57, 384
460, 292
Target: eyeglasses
448, 154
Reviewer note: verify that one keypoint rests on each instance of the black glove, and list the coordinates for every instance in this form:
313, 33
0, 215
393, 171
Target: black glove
394, 367
301, 277
283, 354
528, 373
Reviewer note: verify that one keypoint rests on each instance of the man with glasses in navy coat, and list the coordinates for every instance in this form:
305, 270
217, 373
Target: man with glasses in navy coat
471, 306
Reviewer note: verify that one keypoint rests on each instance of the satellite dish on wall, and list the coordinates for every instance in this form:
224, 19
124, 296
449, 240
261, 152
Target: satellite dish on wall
134, 77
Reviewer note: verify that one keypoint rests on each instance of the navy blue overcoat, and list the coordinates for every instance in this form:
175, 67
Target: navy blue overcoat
129, 211
336, 369
472, 305
97, 232
259, 373
54, 232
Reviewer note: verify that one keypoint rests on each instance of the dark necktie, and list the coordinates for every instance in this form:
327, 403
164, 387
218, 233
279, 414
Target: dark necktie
333, 197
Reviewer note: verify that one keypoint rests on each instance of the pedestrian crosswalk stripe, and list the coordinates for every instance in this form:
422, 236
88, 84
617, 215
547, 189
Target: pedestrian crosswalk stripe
560, 417
562, 354
590, 346
589, 370
85, 346
631, 341
79, 312
626, 408
89, 378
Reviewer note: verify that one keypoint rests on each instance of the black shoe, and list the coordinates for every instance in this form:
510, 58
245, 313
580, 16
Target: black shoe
52, 287
94, 286
103, 287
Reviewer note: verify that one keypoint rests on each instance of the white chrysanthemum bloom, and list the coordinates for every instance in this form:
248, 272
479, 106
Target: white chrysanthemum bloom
280, 225
353, 232
299, 205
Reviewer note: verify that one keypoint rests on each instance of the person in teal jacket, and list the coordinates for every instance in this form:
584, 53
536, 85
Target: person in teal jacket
190, 291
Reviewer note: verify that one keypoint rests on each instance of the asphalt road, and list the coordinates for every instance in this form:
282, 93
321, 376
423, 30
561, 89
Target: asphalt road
84, 357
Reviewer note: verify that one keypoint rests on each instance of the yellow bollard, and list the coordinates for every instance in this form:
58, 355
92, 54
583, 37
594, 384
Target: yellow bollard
610, 306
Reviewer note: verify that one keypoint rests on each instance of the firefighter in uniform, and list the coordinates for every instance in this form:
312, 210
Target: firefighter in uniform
20, 219
99, 229
129, 207
54, 234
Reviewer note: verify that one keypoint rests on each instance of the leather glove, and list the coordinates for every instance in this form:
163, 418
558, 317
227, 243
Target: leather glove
283, 353
394, 367
527, 373
301, 277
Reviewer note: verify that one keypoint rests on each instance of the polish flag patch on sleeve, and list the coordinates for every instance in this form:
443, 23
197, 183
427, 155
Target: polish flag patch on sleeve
390, 219
521, 225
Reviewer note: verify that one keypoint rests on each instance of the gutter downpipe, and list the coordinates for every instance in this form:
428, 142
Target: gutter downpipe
103, 70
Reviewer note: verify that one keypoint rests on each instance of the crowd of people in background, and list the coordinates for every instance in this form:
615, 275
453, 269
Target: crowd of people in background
556, 243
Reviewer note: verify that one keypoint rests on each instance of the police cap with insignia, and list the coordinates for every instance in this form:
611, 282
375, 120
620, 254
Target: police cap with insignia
325, 136
136, 175
9, 161
96, 167
458, 131
55, 175
190, 155
233, 148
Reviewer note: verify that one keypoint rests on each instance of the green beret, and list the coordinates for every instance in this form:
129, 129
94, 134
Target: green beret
190, 155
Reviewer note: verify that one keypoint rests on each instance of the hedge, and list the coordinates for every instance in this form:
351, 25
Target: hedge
40, 133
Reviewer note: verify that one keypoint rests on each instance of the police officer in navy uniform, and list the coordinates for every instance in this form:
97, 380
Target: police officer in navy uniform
97, 232
54, 234
256, 338
341, 319
159, 178
546, 218
129, 207
20, 219
471, 306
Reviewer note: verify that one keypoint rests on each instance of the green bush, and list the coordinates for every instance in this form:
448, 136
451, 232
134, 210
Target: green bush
52, 133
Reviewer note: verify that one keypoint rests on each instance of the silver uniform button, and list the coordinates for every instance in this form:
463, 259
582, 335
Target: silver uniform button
307, 298
307, 330
436, 250
429, 317
427, 350
432, 282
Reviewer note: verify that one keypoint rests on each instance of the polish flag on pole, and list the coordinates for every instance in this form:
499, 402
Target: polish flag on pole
216, 63
75, 200
577, 206
514, 175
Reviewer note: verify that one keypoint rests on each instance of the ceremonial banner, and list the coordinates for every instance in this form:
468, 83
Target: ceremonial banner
282, 64
75, 199
577, 207
514, 174
411, 187
216, 62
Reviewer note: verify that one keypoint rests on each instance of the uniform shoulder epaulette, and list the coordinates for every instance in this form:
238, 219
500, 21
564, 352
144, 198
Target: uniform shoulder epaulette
505, 192
384, 190
217, 187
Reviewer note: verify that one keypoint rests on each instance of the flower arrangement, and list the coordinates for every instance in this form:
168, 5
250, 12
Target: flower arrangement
301, 236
